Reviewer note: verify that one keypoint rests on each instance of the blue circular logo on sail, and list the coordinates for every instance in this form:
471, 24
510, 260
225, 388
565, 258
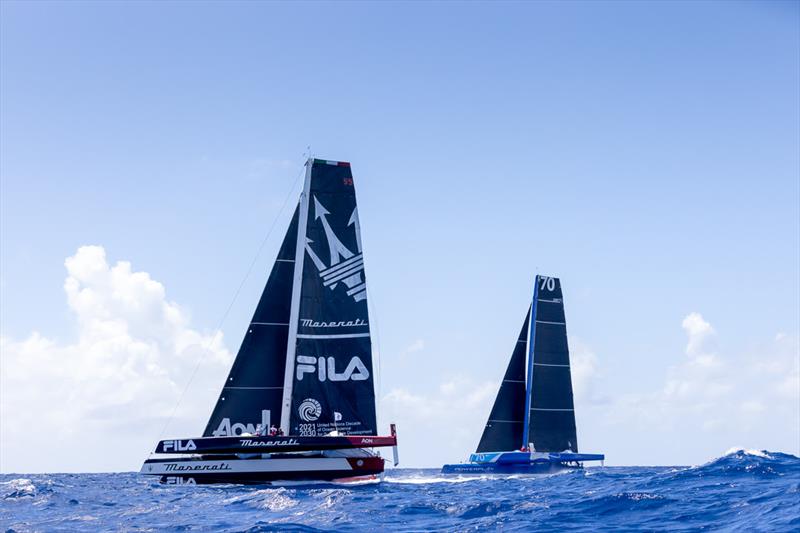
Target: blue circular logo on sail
309, 410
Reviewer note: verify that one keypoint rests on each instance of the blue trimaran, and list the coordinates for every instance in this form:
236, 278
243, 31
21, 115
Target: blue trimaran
531, 428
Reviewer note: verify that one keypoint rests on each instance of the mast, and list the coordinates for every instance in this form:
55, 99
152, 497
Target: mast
297, 281
529, 378
551, 426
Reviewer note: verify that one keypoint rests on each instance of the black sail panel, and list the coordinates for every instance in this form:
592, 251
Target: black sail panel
253, 390
552, 416
332, 387
503, 431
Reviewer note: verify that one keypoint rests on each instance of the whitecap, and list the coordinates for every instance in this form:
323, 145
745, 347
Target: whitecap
277, 499
425, 480
755, 453
18, 488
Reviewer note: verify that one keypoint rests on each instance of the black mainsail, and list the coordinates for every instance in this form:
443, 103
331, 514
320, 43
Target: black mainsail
552, 410
253, 390
534, 407
328, 380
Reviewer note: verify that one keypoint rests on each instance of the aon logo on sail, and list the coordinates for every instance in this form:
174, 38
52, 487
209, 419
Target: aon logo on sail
325, 368
226, 429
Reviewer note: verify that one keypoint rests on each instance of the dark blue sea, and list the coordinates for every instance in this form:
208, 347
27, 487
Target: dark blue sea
742, 491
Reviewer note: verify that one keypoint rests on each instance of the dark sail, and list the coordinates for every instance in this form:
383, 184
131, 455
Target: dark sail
332, 380
503, 431
254, 388
552, 414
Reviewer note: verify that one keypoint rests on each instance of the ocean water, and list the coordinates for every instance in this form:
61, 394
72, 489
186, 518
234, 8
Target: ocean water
742, 491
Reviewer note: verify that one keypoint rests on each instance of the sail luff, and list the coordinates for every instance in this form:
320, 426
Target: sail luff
529, 374
294, 313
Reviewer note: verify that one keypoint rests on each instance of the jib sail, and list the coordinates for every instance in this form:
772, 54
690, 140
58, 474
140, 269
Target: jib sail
552, 411
328, 383
504, 428
253, 390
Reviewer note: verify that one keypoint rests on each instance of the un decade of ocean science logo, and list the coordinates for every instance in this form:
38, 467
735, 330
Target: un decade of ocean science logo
309, 410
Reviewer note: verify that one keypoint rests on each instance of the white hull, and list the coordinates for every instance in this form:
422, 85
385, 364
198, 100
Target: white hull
288, 468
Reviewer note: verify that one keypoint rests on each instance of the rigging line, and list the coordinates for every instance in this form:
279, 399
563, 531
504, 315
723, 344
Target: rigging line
235, 296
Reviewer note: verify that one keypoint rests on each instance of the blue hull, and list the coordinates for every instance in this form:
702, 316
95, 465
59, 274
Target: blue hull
518, 468
521, 463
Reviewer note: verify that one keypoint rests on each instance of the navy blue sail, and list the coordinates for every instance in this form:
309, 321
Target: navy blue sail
504, 428
253, 390
531, 429
329, 381
552, 410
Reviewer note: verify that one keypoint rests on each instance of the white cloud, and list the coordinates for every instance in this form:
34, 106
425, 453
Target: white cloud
585, 369
709, 400
99, 402
698, 331
442, 425
416, 346
703, 402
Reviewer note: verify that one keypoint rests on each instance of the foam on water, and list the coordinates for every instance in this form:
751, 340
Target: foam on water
17, 488
756, 453
422, 479
742, 490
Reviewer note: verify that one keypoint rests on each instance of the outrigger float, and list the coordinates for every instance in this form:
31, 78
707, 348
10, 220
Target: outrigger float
305, 361
531, 429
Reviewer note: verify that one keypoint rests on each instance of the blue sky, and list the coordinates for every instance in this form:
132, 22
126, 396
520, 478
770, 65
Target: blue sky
645, 153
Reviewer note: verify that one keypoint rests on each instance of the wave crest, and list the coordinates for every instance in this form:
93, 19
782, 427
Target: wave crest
17, 488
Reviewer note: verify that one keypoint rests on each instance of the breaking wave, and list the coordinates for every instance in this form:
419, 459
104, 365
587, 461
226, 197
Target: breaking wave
742, 490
